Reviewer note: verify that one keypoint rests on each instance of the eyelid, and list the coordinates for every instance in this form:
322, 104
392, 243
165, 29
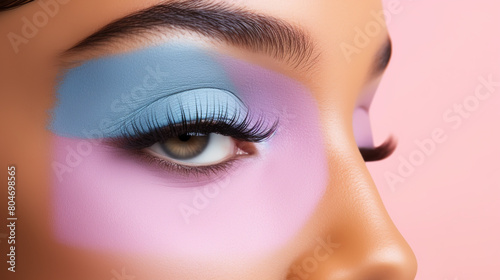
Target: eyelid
195, 111
181, 107
203, 111
250, 129
362, 127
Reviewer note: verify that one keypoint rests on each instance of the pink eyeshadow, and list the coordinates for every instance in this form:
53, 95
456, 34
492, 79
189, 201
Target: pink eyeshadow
112, 201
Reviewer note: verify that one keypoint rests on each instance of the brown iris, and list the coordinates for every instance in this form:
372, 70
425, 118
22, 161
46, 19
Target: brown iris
185, 146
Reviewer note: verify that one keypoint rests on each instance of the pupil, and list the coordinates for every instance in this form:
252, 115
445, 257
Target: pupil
184, 137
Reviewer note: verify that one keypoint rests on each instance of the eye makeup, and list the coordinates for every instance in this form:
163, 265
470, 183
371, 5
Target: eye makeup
112, 201
198, 116
147, 81
161, 105
240, 134
200, 111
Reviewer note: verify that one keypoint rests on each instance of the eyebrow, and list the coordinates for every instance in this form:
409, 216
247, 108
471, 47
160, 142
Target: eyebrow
12, 4
382, 58
219, 21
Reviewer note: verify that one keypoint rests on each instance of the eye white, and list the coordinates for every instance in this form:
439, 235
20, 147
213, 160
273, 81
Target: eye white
218, 149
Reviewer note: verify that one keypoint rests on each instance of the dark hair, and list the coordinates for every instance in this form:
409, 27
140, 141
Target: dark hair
11, 4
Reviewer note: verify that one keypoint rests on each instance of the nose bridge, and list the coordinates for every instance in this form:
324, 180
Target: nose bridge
367, 245
373, 246
371, 241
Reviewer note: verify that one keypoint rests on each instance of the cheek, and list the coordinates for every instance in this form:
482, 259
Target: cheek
107, 200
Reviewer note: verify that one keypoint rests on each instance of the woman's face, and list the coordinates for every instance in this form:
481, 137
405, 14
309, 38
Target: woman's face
203, 140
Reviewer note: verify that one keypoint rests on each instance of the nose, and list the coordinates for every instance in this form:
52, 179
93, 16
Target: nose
358, 240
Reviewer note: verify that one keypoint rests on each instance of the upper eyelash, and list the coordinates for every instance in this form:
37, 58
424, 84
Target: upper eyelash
236, 126
381, 152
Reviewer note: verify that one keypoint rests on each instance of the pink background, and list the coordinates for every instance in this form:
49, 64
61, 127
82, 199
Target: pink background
449, 208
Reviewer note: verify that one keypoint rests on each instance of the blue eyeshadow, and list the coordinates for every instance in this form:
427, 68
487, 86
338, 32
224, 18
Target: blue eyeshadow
161, 84
184, 107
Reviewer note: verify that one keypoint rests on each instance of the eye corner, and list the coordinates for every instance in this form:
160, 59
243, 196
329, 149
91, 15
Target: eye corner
245, 148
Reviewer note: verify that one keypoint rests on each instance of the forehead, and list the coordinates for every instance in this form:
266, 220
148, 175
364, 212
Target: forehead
330, 24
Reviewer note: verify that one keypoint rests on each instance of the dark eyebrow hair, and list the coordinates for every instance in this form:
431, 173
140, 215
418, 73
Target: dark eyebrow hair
382, 58
223, 22
12, 4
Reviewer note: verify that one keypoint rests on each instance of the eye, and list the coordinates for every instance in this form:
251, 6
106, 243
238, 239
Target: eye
195, 149
201, 137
